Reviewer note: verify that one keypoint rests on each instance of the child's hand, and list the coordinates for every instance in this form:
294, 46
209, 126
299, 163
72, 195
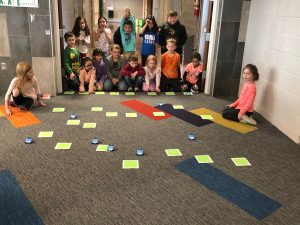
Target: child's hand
8, 112
133, 75
240, 117
127, 12
81, 89
72, 76
115, 81
82, 41
41, 103
146, 87
99, 86
157, 89
229, 106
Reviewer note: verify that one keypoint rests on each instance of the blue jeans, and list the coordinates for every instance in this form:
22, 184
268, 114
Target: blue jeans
136, 82
108, 85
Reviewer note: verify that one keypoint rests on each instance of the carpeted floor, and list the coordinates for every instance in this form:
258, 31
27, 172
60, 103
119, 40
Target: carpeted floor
82, 186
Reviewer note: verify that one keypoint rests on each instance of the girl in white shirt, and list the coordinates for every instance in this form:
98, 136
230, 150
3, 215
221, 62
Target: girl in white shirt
82, 36
23, 89
102, 35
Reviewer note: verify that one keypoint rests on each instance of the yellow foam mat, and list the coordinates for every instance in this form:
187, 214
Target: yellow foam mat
217, 118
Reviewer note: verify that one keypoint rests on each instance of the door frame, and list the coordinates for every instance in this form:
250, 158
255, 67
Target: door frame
213, 46
57, 36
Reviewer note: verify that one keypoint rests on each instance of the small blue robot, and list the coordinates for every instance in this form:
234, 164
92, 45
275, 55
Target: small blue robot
73, 116
28, 140
110, 148
140, 152
95, 141
191, 136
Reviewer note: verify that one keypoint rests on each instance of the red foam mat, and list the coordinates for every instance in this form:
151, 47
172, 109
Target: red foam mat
144, 109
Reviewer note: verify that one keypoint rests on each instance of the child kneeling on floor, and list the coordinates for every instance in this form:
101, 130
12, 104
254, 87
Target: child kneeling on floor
23, 89
242, 109
87, 74
192, 76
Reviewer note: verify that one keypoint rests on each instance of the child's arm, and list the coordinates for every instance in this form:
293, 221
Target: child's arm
158, 76
126, 71
131, 18
37, 91
67, 64
250, 97
143, 28
108, 35
8, 94
140, 70
87, 39
81, 80
92, 80
147, 80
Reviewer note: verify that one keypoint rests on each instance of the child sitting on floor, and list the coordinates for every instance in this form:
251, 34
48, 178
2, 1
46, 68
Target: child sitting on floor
242, 109
87, 74
193, 74
133, 73
23, 89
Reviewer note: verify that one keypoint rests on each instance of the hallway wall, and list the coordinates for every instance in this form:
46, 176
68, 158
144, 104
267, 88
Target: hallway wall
273, 44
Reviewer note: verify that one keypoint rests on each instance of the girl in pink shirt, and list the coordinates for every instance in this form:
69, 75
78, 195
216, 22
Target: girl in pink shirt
193, 74
87, 76
242, 109
23, 89
153, 74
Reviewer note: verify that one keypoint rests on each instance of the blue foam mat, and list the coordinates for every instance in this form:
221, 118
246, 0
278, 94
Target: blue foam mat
250, 200
15, 208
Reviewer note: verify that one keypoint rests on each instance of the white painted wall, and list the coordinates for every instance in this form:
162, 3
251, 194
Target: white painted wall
136, 8
273, 44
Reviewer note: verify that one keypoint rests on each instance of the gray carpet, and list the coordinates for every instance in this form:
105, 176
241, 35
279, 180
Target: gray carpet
82, 186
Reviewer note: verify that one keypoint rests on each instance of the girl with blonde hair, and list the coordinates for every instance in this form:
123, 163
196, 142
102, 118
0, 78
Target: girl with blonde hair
23, 89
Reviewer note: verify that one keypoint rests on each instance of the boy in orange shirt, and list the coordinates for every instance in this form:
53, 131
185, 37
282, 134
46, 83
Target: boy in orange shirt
170, 66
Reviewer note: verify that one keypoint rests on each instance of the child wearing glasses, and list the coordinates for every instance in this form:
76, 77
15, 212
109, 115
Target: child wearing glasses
87, 74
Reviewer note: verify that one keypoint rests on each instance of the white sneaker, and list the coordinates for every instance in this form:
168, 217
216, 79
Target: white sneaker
248, 120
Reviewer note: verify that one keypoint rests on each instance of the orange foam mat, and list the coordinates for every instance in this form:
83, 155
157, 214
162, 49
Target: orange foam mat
20, 118
217, 118
2, 114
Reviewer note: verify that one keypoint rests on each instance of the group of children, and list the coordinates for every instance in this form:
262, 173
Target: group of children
123, 72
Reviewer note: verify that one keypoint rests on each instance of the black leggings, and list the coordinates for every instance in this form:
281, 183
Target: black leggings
24, 101
232, 114
166, 84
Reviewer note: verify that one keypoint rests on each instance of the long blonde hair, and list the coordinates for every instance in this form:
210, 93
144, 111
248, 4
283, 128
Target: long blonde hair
21, 73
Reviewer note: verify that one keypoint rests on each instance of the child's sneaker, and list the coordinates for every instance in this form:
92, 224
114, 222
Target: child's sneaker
130, 89
12, 103
136, 89
248, 120
193, 91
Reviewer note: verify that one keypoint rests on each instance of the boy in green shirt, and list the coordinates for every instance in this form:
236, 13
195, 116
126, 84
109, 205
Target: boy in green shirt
71, 61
